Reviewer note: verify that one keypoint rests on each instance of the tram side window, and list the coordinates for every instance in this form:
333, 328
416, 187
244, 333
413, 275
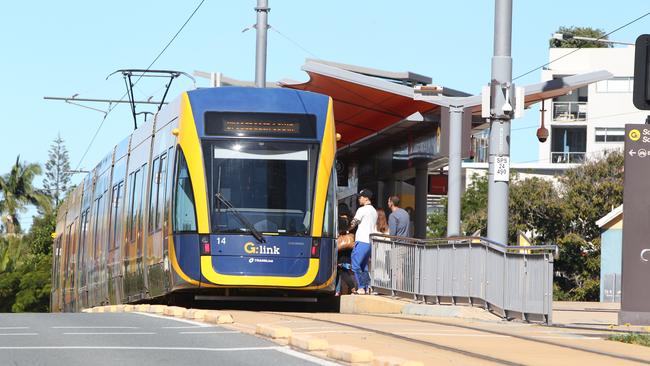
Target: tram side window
153, 194
69, 267
169, 184
83, 243
98, 224
135, 204
160, 201
329, 221
141, 195
57, 262
116, 219
184, 211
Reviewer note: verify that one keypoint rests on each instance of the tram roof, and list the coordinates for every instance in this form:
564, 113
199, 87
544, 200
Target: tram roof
369, 102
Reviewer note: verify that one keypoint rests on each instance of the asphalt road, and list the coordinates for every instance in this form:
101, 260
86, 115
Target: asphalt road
133, 339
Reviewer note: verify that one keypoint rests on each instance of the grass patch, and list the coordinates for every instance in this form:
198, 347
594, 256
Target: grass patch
641, 339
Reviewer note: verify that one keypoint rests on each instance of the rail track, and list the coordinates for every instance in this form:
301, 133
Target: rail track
457, 350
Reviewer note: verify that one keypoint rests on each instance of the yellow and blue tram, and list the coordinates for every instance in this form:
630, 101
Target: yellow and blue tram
227, 192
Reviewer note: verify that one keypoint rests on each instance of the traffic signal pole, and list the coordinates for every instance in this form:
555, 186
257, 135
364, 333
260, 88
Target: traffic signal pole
501, 103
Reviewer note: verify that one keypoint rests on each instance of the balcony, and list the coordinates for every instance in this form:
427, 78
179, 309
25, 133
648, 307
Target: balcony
568, 157
569, 111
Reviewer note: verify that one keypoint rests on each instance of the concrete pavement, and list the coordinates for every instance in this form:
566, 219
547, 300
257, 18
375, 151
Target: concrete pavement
133, 339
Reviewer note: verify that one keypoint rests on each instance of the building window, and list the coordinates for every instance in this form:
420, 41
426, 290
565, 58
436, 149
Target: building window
568, 144
615, 85
610, 134
572, 106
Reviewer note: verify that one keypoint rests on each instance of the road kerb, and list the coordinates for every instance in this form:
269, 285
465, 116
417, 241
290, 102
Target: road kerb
272, 331
349, 354
143, 308
217, 317
129, 308
116, 308
394, 361
157, 309
195, 314
87, 310
175, 311
308, 343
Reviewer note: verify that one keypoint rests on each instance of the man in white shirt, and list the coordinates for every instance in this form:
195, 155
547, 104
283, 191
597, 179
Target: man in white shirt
365, 220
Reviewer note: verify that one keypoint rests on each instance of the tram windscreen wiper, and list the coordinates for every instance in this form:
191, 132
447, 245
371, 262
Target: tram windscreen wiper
241, 218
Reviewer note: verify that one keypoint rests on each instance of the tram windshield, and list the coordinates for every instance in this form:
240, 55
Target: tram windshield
269, 183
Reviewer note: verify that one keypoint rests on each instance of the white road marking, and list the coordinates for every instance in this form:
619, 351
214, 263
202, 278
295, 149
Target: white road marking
307, 357
215, 332
18, 334
107, 327
10, 328
112, 333
234, 349
188, 327
198, 324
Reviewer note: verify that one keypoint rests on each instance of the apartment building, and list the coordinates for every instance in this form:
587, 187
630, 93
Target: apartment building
591, 120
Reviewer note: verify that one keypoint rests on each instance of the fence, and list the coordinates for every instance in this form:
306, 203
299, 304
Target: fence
511, 281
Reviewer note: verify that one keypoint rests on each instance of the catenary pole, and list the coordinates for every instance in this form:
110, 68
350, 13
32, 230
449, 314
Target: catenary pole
455, 170
261, 27
501, 108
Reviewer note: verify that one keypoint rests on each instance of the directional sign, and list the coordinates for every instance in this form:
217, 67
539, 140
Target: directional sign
635, 293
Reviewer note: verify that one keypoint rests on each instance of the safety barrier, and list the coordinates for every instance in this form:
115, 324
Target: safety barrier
510, 281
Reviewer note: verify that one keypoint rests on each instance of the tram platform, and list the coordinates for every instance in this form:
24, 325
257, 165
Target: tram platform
569, 314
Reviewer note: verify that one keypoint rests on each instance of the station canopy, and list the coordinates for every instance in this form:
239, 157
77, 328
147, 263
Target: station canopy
368, 102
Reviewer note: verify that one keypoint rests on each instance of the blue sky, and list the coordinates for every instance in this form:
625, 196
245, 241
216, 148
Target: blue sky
68, 47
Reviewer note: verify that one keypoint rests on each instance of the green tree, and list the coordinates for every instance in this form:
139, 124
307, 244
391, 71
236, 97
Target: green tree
12, 250
535, 207
564, 214
33, 290
590, 191
57, 171
578, 43
18, 192
39, 238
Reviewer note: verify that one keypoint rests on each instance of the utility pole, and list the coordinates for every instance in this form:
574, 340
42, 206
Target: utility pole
500, 115
261, 27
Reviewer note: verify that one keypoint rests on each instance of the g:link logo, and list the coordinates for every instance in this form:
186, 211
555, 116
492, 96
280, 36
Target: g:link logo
251, 248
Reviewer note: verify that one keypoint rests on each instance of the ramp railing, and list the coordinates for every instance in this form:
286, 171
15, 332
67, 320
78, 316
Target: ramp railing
514, 282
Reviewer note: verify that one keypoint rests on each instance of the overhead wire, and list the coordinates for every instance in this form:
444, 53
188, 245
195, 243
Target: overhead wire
110, 109
579, 48
295, 43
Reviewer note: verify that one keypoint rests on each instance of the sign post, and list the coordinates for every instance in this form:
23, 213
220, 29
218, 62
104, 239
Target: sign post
635, 293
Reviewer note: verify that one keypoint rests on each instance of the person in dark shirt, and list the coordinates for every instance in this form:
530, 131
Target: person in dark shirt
344, 260
398, 221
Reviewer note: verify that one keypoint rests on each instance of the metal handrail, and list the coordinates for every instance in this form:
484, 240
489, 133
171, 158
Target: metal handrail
511, 281
456, 240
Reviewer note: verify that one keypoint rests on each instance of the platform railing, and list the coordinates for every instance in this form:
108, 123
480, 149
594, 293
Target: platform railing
511, 281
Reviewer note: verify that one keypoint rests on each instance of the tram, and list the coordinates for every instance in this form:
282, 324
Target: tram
228, 193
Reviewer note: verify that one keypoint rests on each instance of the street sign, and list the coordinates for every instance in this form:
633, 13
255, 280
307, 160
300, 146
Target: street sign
635, 294
502, 169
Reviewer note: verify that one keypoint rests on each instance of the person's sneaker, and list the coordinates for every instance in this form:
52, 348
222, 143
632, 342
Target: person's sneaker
361, 291
337, 294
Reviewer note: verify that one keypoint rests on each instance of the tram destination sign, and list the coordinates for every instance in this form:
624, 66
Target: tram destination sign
635, 296
260, 124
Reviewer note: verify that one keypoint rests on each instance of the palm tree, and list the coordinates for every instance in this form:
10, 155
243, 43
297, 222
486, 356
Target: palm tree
17, 192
